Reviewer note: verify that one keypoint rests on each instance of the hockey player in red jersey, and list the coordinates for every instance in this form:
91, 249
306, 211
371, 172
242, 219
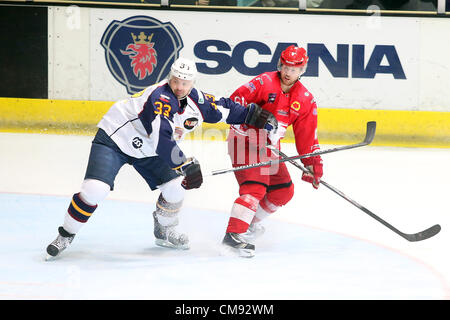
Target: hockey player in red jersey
263, 190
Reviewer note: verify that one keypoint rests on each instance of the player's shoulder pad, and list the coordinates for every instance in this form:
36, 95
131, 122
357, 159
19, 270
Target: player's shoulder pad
197, 96
304, 93
304, 101
163, 101
264, 77
164, 94
202, 98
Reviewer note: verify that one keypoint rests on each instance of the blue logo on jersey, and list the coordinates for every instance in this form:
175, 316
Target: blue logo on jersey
140, 50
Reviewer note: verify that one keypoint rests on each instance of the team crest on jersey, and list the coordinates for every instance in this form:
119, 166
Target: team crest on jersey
140, 50
295, 105
190, 123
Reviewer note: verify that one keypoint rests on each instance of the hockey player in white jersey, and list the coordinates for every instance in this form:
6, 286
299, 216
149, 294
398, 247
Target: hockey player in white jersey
143, 131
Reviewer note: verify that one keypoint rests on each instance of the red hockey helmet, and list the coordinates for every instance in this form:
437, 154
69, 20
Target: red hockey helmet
294, 56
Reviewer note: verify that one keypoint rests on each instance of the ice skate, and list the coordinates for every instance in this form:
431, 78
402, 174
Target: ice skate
167, 236
62, 241
255, 230
235, 243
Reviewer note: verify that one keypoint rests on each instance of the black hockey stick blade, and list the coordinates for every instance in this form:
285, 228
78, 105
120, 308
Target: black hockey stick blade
419, 236
370, 134
423, 235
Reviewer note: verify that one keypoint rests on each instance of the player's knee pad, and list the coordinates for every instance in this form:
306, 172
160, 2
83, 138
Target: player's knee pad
257, 190
93, 191
280, 196
173, 191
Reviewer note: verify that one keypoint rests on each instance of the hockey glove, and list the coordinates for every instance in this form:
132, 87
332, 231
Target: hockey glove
315, 166
192, 173
260, 118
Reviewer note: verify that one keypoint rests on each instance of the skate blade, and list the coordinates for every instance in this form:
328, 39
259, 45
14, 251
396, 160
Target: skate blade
167, 244
50, 258
235, 252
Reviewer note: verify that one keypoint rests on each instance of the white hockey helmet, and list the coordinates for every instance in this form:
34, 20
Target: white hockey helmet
184, 69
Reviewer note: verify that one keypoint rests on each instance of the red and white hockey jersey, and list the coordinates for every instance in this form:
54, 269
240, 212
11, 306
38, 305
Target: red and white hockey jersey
296, 107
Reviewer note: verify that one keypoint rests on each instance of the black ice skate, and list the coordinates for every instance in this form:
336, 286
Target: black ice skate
61, 242
167, 236
236, 243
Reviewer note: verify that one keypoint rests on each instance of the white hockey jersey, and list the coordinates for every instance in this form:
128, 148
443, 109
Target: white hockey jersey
151, 122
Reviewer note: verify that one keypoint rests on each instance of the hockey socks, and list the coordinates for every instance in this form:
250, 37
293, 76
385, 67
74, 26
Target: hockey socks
78, 213
265, 209
242, 213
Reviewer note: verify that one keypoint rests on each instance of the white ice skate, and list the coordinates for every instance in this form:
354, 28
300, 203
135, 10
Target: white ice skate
167, 236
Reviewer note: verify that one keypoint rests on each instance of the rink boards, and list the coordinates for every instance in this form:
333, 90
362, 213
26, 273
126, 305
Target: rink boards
336, 126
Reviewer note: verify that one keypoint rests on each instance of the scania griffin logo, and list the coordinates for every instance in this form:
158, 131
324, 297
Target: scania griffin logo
140, 50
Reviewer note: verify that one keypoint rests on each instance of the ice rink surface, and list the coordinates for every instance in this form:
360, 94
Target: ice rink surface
318, 246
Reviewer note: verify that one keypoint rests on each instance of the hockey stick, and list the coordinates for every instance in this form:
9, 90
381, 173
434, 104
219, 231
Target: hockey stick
370, 134
419, 236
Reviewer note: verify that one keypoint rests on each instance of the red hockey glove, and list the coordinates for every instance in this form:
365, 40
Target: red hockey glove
192, 173
315, 165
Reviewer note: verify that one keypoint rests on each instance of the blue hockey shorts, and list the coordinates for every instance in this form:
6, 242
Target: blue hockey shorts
106, 159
